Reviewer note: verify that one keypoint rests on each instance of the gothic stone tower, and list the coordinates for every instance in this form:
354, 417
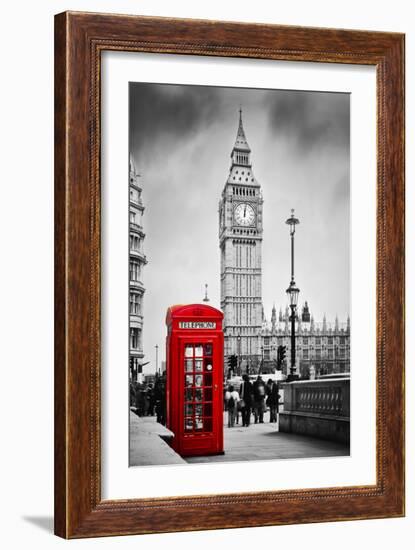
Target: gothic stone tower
240, 241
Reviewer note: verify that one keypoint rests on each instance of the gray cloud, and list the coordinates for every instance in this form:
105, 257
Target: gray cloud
311, 118
165, 112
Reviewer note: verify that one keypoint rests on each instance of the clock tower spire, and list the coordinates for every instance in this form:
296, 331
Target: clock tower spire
240, 241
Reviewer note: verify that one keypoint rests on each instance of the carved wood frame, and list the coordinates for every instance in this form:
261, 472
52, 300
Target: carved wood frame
79, 40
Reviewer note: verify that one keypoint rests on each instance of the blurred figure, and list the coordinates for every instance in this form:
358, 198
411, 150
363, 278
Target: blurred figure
273, 399
132, 393
151, 404
139, 399
232, 399
160, 399
259, 400
245, 403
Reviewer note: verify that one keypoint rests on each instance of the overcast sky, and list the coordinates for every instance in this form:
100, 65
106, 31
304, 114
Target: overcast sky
181, 138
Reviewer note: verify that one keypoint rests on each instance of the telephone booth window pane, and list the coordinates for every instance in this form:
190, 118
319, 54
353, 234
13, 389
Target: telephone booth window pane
198, 391
208, 424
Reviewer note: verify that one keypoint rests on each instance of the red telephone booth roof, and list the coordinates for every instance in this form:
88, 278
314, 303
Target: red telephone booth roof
192, 310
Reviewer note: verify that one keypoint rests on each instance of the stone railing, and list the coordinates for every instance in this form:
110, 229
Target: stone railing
324, 397
320, 408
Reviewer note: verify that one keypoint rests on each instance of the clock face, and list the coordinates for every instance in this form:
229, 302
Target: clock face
244, 215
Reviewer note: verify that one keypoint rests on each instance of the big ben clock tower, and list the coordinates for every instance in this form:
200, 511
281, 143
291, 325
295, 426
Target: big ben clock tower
240, 241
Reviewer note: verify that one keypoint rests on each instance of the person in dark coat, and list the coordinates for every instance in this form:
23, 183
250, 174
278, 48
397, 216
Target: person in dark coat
160, 399
245, 394
139, 399
273, 399
151, 400
132, 394
259, 399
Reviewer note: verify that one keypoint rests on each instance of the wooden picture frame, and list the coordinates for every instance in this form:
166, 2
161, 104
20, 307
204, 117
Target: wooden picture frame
79, 40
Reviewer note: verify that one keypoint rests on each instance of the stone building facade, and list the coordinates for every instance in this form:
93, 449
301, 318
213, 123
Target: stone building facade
320, 346
137, 261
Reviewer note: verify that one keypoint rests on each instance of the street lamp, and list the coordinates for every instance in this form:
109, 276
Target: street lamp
293, 292
206, 298
157, 359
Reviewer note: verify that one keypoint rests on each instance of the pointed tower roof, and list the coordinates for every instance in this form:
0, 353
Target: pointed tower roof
241, 143
273, 317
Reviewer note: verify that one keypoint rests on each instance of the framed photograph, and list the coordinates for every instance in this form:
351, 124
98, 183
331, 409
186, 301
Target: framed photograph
229, 275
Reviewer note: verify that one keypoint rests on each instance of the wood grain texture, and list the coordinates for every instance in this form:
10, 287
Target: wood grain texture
79, 40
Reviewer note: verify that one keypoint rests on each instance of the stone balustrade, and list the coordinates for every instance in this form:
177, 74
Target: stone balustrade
319, 408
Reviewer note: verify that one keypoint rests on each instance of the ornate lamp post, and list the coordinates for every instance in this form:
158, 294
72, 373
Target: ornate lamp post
157, 359
239, 352
262, 360
293, 293
206, 298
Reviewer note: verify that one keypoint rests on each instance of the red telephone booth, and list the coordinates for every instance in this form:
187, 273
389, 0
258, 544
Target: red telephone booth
195, 379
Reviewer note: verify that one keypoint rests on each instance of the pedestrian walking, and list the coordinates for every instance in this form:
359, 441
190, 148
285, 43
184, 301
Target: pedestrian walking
160, 399
232, 400
151, 400
139, 399
259, 400
245, 402
272, 399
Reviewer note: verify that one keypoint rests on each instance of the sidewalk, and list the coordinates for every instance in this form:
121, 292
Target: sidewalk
264, 442
255, 443
147, 445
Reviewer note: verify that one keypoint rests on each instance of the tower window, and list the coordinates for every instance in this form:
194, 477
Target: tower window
134, 243
134, 271
134, 338
134, 304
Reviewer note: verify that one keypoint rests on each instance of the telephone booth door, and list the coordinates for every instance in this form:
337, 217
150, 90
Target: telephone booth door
202, 400
195, 379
